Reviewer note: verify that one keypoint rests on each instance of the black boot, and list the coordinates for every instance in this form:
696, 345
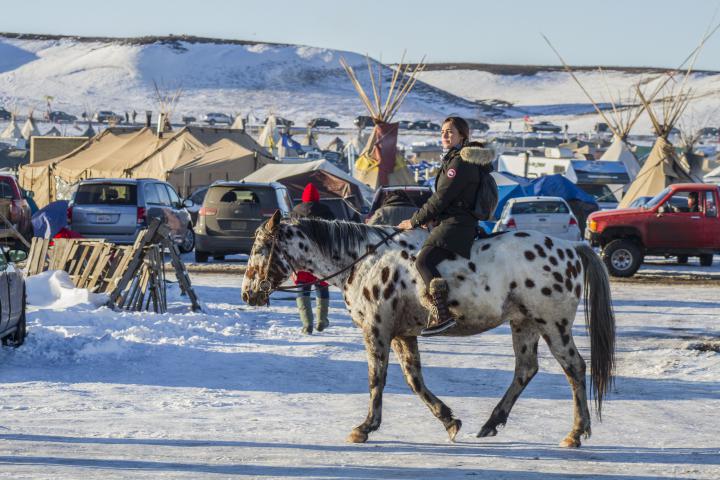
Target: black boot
440, 319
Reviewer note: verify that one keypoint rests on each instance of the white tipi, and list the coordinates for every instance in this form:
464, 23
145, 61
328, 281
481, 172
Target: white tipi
29, 129
12, 132
663, 167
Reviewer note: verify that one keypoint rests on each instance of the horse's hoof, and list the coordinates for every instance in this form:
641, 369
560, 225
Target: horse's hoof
453, 428
356, 436
570, 442
487, 432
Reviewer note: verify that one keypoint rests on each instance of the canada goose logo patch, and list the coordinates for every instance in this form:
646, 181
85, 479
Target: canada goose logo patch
451, 173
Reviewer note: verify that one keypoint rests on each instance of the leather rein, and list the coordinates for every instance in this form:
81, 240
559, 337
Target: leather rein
265, 284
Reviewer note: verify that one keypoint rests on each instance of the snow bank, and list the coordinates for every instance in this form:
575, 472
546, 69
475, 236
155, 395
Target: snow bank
55, 290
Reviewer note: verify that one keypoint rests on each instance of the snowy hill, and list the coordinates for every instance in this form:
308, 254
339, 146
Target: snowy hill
215, 75
550, 91
299, 82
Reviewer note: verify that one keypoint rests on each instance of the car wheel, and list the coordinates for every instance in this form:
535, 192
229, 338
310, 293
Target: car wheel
201, 257
212, 122
682, 259
622, 258
17, 338
188, 242
706, 260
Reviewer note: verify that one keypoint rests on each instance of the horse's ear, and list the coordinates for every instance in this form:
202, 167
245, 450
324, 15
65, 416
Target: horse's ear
273, 222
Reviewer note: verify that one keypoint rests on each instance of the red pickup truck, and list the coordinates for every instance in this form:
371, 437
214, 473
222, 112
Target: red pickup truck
15, 209
681, 221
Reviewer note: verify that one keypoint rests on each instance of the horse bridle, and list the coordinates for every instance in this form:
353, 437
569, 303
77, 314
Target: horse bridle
265, 285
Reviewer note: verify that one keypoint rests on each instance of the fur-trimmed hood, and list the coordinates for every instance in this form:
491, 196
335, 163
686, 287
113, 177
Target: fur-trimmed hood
478, 154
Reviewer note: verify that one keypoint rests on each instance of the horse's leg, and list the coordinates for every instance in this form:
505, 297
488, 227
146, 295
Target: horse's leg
558, 337
377, 348
407, 351
525, 342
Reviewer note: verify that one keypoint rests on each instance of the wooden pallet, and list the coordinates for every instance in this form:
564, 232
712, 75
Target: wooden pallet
133, 276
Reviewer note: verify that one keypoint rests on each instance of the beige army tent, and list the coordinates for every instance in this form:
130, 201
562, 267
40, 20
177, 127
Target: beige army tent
663, 166
127, 154
223, 160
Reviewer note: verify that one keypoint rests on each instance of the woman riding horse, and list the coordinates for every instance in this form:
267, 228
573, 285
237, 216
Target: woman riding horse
451, 210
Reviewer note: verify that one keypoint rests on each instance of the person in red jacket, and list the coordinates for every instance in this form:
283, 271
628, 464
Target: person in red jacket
312, 208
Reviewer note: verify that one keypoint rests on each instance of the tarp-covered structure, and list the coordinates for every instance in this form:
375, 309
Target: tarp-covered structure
380, 163
581, 203
125, 153
330, 181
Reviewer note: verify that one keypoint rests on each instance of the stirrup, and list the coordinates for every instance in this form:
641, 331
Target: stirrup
438, 329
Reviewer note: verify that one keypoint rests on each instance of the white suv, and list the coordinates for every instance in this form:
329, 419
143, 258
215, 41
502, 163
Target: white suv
550, 215
213, 118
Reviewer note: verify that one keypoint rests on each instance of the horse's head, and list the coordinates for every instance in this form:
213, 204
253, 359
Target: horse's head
267, 267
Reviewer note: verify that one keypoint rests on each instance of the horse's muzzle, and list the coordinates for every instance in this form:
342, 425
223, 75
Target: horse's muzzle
255, 299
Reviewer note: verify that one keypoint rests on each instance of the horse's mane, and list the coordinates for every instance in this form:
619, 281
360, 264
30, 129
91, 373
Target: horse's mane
340, 238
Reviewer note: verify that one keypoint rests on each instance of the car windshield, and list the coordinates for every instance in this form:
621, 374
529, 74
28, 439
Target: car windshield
523, 208
263, 197
601, 192
656, 199
6, 189
106, 194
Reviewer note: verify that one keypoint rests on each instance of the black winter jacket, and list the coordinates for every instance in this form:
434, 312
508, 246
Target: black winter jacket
312, 210
452, 204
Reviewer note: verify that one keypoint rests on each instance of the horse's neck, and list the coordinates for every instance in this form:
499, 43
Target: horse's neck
322, 264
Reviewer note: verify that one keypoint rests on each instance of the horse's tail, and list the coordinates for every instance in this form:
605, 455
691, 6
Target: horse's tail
600, 321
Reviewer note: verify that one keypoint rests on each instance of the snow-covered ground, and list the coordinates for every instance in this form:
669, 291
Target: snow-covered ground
237, 391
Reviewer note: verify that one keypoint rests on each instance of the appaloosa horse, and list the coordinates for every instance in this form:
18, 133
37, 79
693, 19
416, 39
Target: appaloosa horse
533, 281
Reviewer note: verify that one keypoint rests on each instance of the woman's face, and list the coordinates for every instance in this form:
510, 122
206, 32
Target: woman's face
450, 136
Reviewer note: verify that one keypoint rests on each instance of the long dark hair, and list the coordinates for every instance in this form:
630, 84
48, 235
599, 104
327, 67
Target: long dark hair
461, 125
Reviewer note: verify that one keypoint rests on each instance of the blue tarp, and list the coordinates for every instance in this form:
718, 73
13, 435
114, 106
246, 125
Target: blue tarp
559, 186
48, 221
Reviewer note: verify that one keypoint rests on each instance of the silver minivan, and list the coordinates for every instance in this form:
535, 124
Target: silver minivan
116, 209
12, 298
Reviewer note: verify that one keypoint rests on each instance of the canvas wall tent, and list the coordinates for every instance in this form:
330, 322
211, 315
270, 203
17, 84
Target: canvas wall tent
53, 132
124, 153
330, 181
223, 160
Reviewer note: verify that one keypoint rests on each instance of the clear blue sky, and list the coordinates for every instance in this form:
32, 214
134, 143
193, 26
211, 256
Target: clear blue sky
605, 32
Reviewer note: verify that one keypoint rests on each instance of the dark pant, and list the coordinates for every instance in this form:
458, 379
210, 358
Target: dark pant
428, 260
321, 292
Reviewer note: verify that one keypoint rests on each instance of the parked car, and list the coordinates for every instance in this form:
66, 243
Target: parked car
116, 209
231, 212
12, 298
601, 127
16, 209
188, 119
424, 125
107, 116
543, 126
549, 215
323, 122
709, 132
363, 121
215, 117
57, 116
664, 225
404, 124
478, 125
197, 197
417, 196
4, 114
